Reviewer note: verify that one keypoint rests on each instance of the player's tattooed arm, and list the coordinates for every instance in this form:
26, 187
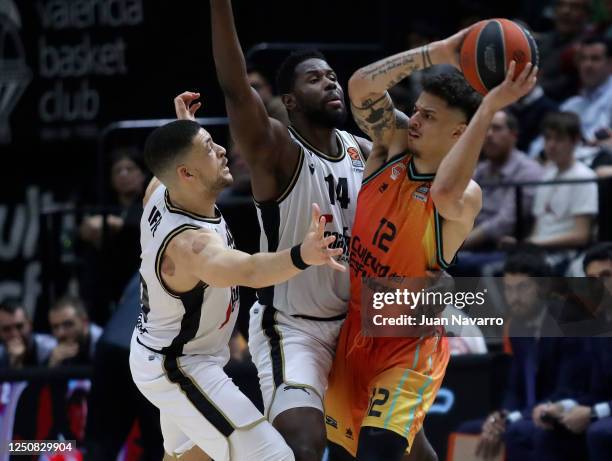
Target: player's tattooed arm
379, 119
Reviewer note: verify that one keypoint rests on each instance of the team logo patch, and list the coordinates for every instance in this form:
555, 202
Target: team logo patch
421, 192
383, 187
355, 158
295, 388
331, 422
396, 171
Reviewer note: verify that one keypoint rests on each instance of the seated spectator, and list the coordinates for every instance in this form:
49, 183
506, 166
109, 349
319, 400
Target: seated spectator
109, 263
542, 367
502, 163
593, 104
563, 213
19, 346
530, 112
557, 69
76, 336
587, 418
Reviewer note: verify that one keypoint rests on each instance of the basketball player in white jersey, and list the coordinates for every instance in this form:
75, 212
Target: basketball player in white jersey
294, 326
189, 274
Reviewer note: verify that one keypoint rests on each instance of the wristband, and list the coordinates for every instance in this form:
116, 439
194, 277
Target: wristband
296, 258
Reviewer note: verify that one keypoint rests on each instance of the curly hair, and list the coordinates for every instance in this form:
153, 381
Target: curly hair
455, 90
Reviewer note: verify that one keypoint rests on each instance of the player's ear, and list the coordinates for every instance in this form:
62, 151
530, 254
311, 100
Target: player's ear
289, 101
183, 173
459, 130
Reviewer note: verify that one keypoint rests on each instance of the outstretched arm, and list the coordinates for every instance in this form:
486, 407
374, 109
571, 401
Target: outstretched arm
201, 255
258, 135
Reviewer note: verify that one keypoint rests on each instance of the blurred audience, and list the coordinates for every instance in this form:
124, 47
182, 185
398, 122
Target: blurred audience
583, 423
558, 76
274, 105
19, 346
76, 336
563, 213
593, 104
502, 163
109, 262
530, 112
543, 367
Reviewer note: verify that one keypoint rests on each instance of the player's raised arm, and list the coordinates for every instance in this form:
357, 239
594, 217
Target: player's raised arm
456, 196
262, 139
372, 107
203, 256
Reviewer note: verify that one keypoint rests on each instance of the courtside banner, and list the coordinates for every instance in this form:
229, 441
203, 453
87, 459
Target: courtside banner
414, 307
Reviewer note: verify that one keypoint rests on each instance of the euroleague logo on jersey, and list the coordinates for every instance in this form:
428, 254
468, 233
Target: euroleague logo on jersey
355, 158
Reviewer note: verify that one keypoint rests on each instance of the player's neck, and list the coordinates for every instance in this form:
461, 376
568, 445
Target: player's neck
322, 138
200, 204
427, 165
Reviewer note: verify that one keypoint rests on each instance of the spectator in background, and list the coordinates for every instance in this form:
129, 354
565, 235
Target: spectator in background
563, 213
593, 104
502, 163
557, 69
587, 418
19, 346
76, 336
543, 366
274, 104
530, 112
110, 262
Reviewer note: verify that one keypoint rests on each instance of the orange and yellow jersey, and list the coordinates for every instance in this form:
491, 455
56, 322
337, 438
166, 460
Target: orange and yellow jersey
397, 230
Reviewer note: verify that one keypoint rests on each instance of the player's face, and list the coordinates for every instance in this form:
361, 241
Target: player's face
559, 148
522, 295
318, 94
67, 325
14, 326
207, 163
434, 127
499, 140
593, 65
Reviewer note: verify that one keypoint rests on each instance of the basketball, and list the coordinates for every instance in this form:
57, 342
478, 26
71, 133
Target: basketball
488, 49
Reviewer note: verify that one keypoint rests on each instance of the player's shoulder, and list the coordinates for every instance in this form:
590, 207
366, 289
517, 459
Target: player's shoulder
153, 186
191, 241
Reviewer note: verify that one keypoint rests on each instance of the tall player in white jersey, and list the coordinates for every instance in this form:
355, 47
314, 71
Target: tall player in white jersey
294, 326
189, 274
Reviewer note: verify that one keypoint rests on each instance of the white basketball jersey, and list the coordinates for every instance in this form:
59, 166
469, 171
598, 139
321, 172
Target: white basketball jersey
200, 321
332, 183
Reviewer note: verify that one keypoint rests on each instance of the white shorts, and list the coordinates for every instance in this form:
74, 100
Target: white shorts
200, 405
293, 357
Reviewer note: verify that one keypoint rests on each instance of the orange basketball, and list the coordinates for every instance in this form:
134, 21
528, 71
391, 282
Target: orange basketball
489, 47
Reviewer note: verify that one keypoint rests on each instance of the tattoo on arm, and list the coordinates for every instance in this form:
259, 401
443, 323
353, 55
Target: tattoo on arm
401, 65
376, 117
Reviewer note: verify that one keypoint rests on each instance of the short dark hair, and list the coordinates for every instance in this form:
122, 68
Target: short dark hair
168, 142
600, 252
10, 306
70, 301
285, 77
597, 39
563, 123
511, 121
129, 152
455, 90
528, 260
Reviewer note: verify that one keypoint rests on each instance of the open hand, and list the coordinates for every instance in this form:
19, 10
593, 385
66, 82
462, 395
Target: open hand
185, 107
315, 247
510, 91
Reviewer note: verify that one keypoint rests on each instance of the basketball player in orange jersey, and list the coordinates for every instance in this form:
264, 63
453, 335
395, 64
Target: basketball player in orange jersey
416, 206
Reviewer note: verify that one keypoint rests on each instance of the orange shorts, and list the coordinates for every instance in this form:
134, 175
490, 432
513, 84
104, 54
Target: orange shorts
387, 383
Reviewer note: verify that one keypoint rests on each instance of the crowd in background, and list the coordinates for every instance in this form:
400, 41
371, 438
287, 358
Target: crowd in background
562, 130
